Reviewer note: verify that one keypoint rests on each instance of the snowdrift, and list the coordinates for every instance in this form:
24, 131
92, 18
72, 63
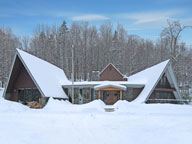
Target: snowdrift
56, 106
10, 106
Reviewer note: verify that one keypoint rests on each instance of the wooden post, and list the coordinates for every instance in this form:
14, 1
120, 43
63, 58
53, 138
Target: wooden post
121, 96
99, 94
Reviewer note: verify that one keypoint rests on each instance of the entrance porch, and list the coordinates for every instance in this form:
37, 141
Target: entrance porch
110, 93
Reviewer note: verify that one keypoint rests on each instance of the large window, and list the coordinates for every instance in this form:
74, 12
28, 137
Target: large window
21, 96
163, 83
163, 95
86, 95
26, 96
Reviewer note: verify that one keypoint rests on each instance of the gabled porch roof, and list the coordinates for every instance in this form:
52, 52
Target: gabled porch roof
105, 85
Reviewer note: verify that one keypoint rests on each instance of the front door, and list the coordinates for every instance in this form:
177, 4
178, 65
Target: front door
110, 97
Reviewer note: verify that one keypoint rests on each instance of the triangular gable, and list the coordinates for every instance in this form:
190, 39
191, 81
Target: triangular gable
169, 74
151, 77
111, 73
17, 70
47, 77
173, 81
19, 78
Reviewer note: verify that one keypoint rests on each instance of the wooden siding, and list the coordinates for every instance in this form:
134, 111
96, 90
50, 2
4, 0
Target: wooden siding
111, 74
19, 79
136, 92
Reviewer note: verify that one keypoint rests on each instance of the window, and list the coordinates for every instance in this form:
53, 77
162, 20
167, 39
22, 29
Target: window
105, 95
163, 83
35, 95
26, 96
117, 94
76, 93
86, 93
80, 96
21, 97
163, 95
92, 94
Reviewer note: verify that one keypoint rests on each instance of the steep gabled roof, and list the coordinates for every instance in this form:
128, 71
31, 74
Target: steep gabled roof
47, 77
151, 77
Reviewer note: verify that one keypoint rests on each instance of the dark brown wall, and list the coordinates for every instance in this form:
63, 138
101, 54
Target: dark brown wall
111, 74
14, 75
136, 92
23, 81
19, 79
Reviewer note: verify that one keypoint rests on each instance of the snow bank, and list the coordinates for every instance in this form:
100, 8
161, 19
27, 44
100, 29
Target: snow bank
10, 106
121, 105
57, 106
151, 109
54, 105
1, 92
96, 105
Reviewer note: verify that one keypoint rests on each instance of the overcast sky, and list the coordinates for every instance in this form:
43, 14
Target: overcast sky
143, 17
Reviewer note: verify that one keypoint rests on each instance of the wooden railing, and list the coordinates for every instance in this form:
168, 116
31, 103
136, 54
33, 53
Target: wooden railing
179, 101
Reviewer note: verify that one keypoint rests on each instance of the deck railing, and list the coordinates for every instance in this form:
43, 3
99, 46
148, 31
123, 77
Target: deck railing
178, 101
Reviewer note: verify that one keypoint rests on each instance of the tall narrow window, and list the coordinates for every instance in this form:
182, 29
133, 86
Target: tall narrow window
21, 97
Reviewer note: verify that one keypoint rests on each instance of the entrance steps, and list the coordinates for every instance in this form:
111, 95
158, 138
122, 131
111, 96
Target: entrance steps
109, 109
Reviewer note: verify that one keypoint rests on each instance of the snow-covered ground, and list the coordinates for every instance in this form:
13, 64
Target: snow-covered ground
63, 123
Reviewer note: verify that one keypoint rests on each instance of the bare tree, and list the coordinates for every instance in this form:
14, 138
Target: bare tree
172, 33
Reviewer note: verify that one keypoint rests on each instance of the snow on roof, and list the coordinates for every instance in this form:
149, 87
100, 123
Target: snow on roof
137, 84
47, 77
150, 76
108, 84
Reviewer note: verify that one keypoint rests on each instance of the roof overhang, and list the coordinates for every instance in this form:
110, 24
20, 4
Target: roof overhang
92, 84
110, 85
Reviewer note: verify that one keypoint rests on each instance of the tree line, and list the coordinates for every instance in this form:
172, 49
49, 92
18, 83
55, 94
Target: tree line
95, 47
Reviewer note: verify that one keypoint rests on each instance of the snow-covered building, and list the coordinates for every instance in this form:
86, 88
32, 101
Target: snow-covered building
33, 79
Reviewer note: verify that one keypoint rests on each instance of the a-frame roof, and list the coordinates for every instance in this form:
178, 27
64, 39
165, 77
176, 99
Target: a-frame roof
151, 77
47, 77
